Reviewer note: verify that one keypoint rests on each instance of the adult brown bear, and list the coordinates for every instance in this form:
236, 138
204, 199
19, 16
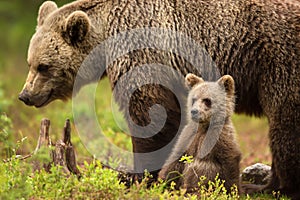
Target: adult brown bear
257, 42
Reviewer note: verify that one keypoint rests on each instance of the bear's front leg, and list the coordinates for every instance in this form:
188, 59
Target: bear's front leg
285, 147
152, 146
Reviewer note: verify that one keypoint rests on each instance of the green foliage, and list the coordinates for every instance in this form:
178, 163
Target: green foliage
6, 136
216, 189
99, 183
6, 131
53, 185
186, 159
14, 179
95, 183
17, 181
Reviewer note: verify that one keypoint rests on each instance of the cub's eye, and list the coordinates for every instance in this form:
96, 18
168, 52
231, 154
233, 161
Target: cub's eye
207, 102
194, 100
42, 68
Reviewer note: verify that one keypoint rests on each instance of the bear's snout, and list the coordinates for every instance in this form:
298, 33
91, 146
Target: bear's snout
195, 114
24, 96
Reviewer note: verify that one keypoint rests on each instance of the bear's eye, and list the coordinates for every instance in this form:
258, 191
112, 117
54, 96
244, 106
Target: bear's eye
194, 100
207, 102
42, 68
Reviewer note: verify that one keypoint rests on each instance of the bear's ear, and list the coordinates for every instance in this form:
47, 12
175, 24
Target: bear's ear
76, 27
45, 9
192, 80
227, 82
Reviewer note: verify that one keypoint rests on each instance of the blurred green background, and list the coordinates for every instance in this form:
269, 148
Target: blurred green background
17, 24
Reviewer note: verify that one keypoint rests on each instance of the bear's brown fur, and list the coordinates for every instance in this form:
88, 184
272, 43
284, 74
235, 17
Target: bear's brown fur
255, 41
210, 106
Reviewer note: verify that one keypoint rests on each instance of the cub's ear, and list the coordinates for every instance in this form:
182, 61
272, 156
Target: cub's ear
227, 82
76, 27
46, 8
192, 80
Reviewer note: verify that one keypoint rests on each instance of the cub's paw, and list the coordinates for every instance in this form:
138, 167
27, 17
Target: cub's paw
163, 173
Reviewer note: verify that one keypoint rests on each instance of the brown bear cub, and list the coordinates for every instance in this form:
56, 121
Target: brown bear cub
209, 137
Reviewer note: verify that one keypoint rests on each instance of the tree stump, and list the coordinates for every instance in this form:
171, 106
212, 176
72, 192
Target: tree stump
62, 153
44, 139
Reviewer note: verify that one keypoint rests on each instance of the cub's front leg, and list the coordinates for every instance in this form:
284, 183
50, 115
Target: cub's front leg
172, 172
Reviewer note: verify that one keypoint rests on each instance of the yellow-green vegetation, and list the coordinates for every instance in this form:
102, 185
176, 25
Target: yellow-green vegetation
18, 181
186, 159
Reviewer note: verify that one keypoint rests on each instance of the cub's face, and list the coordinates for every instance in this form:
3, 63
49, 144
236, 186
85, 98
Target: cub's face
210, 101
200, 104
54, 55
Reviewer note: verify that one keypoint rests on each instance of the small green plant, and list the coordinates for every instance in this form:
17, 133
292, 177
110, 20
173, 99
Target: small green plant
216, 189
52, 185
95, 183
6, 136
13, 176
186, 159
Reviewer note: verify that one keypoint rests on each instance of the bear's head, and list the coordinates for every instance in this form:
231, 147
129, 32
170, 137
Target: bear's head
61, 42
209, 101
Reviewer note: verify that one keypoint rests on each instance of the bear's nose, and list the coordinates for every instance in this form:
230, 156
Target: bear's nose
194, 112
24, 96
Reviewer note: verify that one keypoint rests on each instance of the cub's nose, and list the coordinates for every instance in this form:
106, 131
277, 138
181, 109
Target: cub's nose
24, 96
194, 112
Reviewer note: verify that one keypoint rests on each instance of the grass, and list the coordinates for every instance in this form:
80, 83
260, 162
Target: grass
18, 181
252, 135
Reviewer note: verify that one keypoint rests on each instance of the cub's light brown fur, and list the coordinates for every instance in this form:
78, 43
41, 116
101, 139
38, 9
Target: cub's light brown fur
210, 106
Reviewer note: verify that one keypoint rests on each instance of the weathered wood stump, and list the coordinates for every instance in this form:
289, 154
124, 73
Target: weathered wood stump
62, 153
